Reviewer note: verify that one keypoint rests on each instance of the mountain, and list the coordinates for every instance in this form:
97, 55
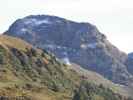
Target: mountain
28, 73
74, 42
130, 55
129, 62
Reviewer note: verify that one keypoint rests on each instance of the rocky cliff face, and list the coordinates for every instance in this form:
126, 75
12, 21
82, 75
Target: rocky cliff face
129, 63
80, 43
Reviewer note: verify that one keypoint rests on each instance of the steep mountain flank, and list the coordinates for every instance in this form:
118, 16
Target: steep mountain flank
73, 42
28, 73
129, 63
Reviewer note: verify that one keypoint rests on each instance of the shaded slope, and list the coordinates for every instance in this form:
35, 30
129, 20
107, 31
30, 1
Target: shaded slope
129, 63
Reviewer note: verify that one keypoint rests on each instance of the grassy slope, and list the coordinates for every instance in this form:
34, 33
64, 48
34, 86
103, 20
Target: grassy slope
19, 68
98, 79
29, 72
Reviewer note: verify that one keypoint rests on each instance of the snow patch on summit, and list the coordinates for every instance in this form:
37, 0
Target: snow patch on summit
36, 21
43, 22
24, 30
90, 45
66, 60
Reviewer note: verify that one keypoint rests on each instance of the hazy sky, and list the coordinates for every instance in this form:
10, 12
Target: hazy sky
114, 18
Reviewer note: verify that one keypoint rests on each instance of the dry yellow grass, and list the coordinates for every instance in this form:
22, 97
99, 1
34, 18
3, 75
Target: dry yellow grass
14, 42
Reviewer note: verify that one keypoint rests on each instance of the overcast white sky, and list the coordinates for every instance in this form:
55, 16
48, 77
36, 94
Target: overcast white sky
114, 18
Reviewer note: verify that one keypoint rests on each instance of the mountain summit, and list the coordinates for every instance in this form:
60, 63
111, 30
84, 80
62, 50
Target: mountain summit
74, 42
